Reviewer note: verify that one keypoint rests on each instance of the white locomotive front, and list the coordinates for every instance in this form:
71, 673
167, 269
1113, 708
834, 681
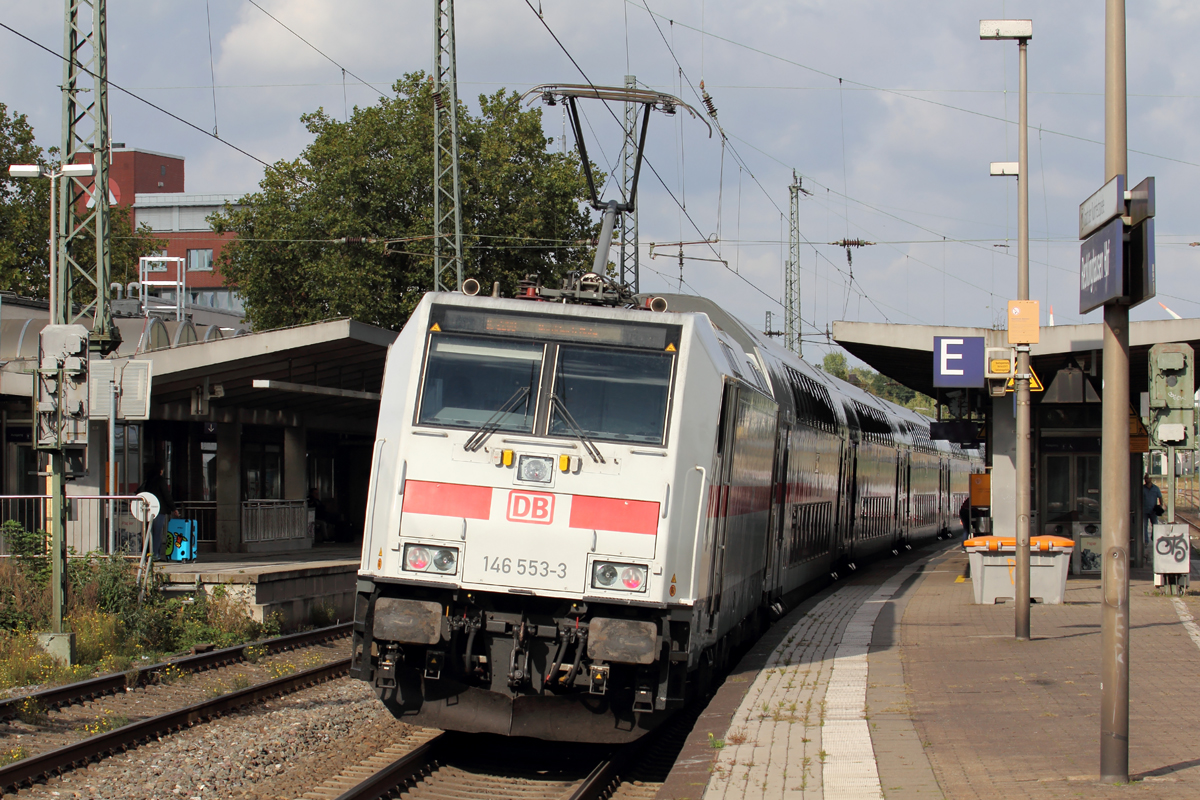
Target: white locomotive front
523, 570
578, 513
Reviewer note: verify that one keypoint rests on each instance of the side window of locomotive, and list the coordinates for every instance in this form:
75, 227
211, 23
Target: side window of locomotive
469, 379
611, 394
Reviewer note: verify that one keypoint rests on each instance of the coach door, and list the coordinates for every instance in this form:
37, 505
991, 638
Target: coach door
719, 499
780, 502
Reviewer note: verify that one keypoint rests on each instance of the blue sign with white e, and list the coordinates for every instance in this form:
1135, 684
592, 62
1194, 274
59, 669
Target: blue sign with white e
958, 362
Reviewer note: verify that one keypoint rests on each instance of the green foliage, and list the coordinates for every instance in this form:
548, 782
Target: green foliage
372, 177
875, 383
112, 628
25, 220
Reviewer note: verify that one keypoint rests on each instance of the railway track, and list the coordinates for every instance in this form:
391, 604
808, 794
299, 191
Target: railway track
427, 765
119, 716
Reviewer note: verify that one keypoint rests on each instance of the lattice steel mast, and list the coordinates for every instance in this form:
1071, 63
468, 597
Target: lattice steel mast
85, 136
791, 275
447, 210
629, 219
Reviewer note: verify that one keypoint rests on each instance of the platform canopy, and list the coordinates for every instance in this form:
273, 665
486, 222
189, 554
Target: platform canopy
904, 353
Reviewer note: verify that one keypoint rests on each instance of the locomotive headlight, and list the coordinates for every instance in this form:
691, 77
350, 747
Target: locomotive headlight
535, 469
621, 577
441, 560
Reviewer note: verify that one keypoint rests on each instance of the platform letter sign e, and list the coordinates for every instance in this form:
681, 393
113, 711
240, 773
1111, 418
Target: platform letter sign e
958, 362
534, 507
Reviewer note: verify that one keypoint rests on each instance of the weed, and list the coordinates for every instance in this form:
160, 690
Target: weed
169, 674
254, 652
31, 711
280, 669
736, 736
239, 682
108, 721
323, 615
715, 743
822, 755
12, 755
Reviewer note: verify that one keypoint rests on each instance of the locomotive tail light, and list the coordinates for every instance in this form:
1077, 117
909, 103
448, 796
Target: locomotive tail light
535, 469
507, 458
438, 560
497, 457
619, 577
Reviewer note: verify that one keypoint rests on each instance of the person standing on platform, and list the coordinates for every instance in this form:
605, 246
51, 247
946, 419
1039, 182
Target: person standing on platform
1152, 504
964, 516
156, 485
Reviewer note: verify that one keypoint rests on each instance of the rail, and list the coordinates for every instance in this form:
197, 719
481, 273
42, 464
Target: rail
118, 681
33, 768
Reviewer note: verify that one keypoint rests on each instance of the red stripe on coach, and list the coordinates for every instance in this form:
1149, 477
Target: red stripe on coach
447, 499
614, 514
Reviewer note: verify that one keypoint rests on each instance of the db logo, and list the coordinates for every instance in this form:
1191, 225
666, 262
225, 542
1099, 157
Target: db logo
530, 507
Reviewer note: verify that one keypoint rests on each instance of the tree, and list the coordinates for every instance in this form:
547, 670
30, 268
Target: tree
25, 220
835, 365
372, 178
875, 383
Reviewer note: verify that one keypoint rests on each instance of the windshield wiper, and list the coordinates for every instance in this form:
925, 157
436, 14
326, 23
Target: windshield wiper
588, 445
485, 430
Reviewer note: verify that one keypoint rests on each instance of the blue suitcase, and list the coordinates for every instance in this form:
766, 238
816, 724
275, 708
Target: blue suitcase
180, 544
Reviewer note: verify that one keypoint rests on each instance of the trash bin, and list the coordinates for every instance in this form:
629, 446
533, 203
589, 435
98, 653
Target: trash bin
994, 565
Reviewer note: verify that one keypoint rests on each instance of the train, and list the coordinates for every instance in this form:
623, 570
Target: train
579, 509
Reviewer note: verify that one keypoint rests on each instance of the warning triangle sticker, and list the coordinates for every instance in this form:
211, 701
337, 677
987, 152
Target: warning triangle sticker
435, 327
1035, 383
672, 577
670, 348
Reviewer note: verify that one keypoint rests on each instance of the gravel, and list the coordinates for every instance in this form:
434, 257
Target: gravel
276, 750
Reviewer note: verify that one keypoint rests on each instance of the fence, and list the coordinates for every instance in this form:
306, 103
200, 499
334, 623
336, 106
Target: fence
274, 520
86, 521
205, 514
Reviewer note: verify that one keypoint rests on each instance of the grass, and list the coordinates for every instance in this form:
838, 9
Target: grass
12, 755
114, 632
108, 721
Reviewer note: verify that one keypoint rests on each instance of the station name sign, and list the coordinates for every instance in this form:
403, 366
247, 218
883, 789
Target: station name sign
1106, 204
1102, 267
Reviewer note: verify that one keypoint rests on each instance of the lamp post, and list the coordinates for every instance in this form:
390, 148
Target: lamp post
58, 543
1022, 31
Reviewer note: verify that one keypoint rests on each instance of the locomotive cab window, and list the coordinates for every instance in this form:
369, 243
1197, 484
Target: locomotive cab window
469, 379
611, 394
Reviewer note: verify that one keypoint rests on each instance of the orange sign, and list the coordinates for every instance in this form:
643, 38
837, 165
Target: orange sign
1024, 326
981, 489
1139, 437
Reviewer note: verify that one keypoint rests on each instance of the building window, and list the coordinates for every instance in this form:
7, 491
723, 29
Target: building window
162, 170
199, 260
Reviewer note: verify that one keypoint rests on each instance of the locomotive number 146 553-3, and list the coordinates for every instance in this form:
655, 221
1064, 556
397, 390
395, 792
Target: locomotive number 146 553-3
524, 566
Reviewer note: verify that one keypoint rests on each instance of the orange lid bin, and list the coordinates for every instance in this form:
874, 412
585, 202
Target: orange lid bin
1039, 544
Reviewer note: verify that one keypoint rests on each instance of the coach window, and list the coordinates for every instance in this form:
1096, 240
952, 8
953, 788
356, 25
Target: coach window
469, 379
612, 394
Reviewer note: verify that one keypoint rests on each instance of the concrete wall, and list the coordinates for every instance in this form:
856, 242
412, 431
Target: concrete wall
229, 487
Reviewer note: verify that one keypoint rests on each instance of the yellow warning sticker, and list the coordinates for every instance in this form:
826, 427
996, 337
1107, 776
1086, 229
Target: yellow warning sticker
435, 327
672, 577
670, 348
1035, 383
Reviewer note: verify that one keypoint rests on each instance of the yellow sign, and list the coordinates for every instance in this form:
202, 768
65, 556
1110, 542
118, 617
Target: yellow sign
1139, 437
1035, 383
1000, 365
1023, 324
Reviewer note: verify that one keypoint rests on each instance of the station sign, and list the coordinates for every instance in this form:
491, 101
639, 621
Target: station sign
1102, 267
1024, 322
1106, 204
958, 362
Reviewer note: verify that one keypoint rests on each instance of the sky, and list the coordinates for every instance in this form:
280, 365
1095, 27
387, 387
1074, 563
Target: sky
888, 113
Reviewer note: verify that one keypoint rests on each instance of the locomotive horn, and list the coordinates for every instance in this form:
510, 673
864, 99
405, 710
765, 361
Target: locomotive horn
656, 303
470, 287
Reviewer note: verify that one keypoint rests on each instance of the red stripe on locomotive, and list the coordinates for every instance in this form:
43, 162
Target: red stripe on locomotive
614, 514
447, 499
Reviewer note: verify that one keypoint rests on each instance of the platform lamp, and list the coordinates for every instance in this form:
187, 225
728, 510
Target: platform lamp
1022, 31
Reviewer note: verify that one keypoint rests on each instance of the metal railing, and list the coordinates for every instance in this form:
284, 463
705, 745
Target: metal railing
274, 520
205, 514
87, 519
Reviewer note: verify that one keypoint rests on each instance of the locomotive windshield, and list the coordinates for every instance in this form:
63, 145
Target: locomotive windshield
612, 394
468, 379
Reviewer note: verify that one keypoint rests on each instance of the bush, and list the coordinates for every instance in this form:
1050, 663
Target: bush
112, 628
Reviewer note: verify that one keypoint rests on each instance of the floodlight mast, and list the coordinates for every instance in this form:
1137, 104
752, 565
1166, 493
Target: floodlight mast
552, 94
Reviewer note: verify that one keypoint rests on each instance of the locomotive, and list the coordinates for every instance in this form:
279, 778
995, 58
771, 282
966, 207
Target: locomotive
577, 512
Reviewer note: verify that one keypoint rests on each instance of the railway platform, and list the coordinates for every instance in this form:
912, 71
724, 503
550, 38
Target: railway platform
893, 684
293, 585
